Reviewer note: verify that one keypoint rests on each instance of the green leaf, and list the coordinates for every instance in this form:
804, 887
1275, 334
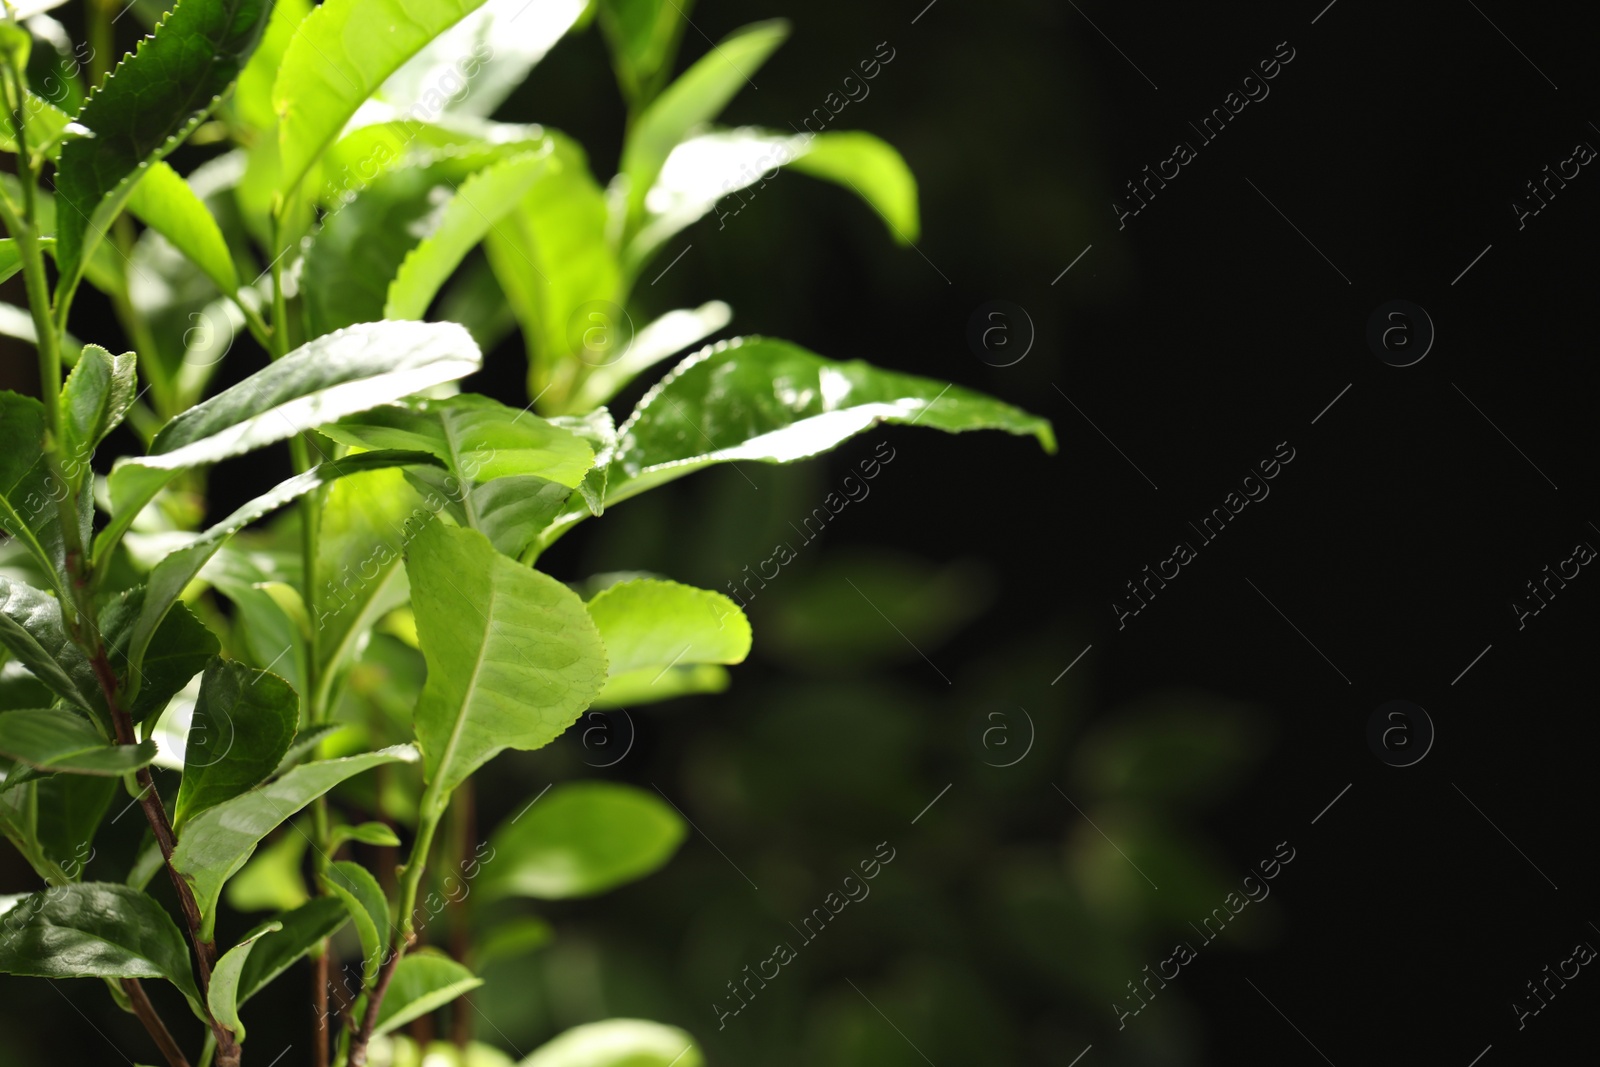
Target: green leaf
179, 649
95, 930
774, 402
652, 687
346, 372
44, 124
242, 726
219, 840
509, 939
477, 438
697, 97
666, 336
472, 67
333, 376
57, 740
143, 110
70, 809
299, 932
553, 259
873, 170
337, 58
480, 202
360, 247
583, 838
169, 578
271, 879
513, 657
619, 1043
643, 35
423, 981
96, 397
368, 833
653, 628
305, 745
32, 628
164, 202
252, 94
29, 492
513, 511
369, 910
223, 993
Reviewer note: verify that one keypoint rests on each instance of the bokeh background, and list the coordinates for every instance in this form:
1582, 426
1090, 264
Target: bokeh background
919, 643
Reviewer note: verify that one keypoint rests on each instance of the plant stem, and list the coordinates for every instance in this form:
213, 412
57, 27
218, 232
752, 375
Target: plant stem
157, 1029
205, 951
430, 811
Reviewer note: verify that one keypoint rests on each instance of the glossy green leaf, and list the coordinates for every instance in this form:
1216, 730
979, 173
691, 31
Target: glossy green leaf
143, 109
478, 204
223, 993
774, 402
474, 65
653, 629
97, 395
169, 578
163, 201
333, 376
179, 649
299, 932
477, 438
619, 1043
57, 740
513, 657
242, 726
337, 58
218, 841
423, 981
32, 628
70, 809
873, 170
659, 340
95, 930
513, 511
44, 124
305, 745
643, 36
580, 839
393, 140
697, 97
363, 898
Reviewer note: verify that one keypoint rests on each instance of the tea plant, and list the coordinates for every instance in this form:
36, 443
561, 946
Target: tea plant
280, 694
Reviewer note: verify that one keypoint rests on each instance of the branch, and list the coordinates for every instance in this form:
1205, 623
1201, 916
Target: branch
146, 1012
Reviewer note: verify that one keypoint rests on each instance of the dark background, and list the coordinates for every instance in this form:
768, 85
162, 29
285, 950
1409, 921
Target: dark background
1209, 729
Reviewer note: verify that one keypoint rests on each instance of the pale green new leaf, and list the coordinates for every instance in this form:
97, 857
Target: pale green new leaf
164, 202
581, 839
619, 1043
873, 170
477, 438
513, 656
223, 993
56, 740
219, 840
697, 97
661, 339
653, 628
643, 35
95, 930
252, 94
423, 981
337, 58
479, 203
